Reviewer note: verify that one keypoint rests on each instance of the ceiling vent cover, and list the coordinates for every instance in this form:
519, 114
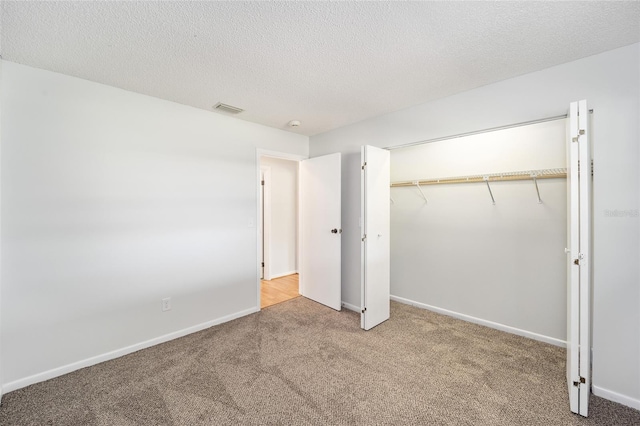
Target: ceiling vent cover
227, 108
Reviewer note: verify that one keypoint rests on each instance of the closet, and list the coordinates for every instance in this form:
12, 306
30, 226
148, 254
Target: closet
481, 244
493, 228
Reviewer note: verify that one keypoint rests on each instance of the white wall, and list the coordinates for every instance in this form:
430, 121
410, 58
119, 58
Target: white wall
111, 201
610, 83
284, 216
503, 263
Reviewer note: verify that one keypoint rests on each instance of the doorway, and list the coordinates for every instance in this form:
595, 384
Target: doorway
317, 227
278, 230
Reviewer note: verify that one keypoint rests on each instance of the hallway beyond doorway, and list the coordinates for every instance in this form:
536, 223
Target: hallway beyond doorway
278, 290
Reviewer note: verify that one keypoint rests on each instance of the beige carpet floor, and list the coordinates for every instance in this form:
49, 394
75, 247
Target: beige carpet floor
300, 363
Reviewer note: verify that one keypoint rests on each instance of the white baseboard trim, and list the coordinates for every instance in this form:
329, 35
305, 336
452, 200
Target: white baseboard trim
274, 276
486, 323
350, 307
59, 371
616, 397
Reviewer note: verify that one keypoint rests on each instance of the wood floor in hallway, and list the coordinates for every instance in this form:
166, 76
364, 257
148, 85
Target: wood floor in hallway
278, 290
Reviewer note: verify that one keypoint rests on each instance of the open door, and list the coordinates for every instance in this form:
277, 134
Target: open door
375, 222
320, 214
579, 259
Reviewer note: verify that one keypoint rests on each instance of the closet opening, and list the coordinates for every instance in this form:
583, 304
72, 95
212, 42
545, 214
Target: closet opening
493, 227
481, 220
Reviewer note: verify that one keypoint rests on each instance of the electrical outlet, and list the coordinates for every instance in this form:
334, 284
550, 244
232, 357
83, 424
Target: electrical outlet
166, 304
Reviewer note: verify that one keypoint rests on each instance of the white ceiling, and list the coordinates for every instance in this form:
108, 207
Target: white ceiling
327, 64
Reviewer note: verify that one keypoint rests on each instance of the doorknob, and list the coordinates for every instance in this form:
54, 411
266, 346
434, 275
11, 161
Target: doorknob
334, 231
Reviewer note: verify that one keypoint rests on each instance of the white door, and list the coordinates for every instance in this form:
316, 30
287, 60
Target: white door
579, 261
375, 251
320, 214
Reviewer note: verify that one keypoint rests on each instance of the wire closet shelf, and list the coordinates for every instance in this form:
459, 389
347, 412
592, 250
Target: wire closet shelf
489, 177
533, 175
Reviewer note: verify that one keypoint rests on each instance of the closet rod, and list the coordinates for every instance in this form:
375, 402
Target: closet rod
478, 132
501, 177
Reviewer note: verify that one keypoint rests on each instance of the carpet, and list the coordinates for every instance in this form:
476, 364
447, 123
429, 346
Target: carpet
300, 363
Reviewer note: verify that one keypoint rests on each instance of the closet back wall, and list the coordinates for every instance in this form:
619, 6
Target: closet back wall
503, 263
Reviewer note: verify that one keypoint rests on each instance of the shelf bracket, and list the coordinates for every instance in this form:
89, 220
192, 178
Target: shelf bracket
486, 179
417, 184
535, 182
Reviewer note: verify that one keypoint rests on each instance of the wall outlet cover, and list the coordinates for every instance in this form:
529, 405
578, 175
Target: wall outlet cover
166, 304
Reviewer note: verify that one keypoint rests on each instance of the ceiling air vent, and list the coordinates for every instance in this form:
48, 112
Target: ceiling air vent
227, 108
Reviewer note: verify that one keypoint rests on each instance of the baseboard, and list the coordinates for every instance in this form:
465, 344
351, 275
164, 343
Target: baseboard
55, 372
486, 323
274, 276
616, 397
350, 307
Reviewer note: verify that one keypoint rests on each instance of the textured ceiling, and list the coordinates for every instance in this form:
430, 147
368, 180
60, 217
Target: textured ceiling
327, 64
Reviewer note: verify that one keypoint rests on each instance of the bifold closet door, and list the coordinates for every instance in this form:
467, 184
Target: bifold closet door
579, 258
321, 229
375, 226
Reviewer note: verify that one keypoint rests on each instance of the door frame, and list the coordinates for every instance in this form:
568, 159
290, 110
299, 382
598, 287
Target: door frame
283, 156
264, 222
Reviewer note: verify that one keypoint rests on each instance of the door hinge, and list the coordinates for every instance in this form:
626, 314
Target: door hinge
581, 381
577, 138
364, 310
577, 261
263, 264
262, 182
365, 237
364, 165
